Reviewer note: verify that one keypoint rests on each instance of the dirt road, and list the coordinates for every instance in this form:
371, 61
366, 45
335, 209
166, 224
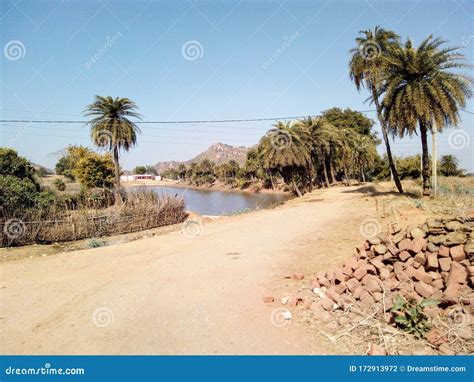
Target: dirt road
177, 295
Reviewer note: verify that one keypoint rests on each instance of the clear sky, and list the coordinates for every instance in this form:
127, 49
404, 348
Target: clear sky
200, 60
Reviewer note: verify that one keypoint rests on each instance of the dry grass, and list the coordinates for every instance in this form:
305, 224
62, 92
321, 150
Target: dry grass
142, 210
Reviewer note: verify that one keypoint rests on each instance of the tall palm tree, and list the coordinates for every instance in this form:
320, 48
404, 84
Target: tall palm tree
111, 128
286, 149
421, 93
367, 68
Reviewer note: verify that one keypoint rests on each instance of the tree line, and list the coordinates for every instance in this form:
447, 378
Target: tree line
415, 90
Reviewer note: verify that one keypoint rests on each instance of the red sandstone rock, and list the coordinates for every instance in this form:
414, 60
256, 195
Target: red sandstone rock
457, 253
417, 245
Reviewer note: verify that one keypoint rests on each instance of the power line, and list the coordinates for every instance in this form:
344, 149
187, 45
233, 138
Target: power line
186, 121
174, 122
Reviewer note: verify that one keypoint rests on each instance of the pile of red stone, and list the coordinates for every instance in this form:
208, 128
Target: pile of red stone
435, 261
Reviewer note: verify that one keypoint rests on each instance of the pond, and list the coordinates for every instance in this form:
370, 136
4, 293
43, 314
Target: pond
210, 202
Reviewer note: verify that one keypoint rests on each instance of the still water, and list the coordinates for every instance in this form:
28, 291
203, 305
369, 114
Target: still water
209, 202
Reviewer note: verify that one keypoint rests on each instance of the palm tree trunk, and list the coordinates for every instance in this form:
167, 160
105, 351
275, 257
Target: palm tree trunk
295, 187
118, 199
117, 167
362, 173
271, 180
425, 159
348, 182
325, 172
383, 126
331, 167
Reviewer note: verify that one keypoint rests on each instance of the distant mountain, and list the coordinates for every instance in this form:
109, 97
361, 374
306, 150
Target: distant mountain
218, 153
162, 166
221, 153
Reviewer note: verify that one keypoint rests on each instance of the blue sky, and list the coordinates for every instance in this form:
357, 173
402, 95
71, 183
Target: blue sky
200, 60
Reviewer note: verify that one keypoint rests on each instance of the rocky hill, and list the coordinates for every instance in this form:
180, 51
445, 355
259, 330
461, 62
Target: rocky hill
218, 153
221, 153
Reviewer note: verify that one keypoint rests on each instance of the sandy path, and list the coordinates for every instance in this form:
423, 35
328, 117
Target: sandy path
170, 294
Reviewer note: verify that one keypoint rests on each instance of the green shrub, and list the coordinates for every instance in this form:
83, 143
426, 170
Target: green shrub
409, 315
59, 184
12, 164
95, 170
17, 194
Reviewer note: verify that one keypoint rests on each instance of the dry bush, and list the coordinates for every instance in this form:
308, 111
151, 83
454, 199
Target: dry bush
141, 210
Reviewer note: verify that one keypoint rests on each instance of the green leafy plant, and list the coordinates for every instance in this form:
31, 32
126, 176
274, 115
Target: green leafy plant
59, 184
410, 316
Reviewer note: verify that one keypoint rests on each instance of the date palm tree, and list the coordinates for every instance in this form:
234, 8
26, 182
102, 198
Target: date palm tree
421, 93
367, 68
286, 149
111, 127
449, 165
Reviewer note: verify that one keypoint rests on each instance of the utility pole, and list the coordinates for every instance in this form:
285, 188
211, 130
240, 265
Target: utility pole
434, 161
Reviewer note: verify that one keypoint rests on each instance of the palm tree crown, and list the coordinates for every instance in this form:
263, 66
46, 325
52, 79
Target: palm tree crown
420, 89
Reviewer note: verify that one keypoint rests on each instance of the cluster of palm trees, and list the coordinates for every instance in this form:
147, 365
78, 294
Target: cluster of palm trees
413, 88
317, 151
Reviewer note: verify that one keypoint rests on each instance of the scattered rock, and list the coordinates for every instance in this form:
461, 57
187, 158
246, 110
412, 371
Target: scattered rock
417, 232
374, 349
457, 253
446, 350
435, 337
268, 299
298, 276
